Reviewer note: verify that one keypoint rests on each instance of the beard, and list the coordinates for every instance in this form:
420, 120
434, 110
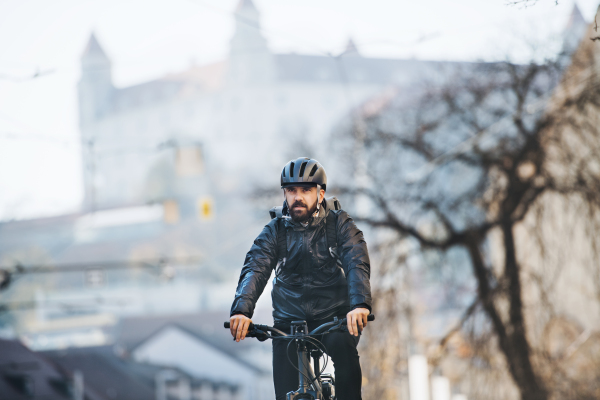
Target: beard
303, 212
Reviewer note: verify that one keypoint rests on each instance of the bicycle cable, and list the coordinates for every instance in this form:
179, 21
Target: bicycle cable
287, 352
324, 351
318, 344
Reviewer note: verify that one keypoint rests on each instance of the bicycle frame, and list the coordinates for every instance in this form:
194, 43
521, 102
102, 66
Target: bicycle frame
300, 329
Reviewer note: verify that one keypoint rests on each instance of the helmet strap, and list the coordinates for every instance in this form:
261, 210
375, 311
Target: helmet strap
318, 194
286, 208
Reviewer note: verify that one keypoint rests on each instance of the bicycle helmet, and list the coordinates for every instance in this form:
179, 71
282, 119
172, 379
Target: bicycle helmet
303, 171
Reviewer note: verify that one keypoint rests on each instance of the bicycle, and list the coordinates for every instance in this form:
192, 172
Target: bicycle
313, 383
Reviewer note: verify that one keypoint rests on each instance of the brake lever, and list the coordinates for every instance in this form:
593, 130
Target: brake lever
259, 334
339, 325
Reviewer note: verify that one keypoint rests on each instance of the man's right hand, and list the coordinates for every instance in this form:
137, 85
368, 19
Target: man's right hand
238, 325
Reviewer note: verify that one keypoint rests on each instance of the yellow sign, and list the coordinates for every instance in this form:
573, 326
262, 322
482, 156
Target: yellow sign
205, 208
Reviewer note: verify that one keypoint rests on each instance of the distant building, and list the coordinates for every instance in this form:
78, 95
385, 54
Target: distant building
241, 118
104, 375
25, 374
100, 373
199, 345
95, 268
178, 347
573, 33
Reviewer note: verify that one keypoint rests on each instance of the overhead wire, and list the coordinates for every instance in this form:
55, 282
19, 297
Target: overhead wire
35, 75
20, 269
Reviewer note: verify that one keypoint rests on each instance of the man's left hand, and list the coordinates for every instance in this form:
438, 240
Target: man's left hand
357, 320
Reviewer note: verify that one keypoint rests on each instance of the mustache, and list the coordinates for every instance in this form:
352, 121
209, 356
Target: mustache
299, 204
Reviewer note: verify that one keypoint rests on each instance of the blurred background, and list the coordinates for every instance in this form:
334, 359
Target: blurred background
141, 144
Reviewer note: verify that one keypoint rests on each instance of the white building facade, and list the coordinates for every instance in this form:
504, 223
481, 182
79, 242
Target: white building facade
246, 115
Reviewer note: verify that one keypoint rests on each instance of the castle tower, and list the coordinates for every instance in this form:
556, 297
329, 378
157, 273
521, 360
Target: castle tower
95, 95
351, 49
95, 86
574, 31
250, 61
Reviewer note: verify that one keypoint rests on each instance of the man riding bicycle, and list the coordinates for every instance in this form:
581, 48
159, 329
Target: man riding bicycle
322, 271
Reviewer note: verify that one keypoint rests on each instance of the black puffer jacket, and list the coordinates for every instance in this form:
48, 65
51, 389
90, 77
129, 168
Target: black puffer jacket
311, 285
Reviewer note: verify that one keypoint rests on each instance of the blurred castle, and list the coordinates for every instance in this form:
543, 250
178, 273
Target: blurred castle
242, 118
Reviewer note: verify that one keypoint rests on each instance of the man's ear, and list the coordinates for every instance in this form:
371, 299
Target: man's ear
321, 195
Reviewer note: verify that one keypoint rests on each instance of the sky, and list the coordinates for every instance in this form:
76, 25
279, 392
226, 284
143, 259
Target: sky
41, 42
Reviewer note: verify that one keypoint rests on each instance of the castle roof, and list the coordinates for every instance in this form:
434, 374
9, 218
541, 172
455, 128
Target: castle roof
93, 48
576, 18
352, 69
351, 48
289, 68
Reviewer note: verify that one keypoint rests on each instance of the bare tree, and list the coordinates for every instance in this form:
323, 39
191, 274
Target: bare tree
470, 163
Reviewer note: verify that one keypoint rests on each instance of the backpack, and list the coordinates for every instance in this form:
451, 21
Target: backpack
330, 228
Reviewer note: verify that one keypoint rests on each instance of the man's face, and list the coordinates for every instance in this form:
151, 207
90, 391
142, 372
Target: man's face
302, 201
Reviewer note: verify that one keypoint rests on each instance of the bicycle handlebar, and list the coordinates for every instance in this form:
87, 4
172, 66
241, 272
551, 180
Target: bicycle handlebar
343, 321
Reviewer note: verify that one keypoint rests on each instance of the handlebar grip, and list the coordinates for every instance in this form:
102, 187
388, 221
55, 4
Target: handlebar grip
370, 317
226, 325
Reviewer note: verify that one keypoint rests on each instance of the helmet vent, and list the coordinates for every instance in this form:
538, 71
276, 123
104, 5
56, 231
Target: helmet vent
313, 171
291, 170
302, 167
283, 173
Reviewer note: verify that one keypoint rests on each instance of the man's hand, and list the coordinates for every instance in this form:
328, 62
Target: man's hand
358, 316
238, 326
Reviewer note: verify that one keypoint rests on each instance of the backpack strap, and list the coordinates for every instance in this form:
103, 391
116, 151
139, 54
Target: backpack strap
277, 212
331, 232
281, 241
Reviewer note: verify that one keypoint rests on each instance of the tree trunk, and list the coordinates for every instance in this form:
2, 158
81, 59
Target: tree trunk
511, 334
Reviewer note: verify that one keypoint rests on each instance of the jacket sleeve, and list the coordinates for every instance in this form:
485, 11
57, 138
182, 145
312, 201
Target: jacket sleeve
258, 265
354, 255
